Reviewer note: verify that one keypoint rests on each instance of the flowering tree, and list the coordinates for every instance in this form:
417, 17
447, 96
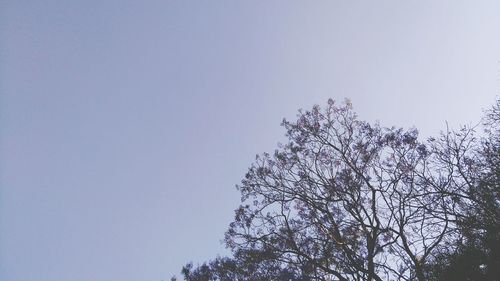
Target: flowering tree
347, 200
476, 256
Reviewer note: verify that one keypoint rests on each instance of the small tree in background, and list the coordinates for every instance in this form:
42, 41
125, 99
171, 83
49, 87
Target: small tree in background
347, 200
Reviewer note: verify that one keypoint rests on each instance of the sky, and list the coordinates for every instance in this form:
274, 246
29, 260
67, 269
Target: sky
125, 125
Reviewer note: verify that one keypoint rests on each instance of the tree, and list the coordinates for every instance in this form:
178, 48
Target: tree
347, 200
477, 256
246, 265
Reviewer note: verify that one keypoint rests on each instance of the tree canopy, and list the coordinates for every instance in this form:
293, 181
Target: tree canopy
348, 200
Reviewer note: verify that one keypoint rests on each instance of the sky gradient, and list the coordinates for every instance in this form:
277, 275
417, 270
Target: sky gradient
125, 125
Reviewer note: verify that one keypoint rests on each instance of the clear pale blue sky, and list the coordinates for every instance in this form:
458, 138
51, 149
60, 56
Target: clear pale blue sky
124, 125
